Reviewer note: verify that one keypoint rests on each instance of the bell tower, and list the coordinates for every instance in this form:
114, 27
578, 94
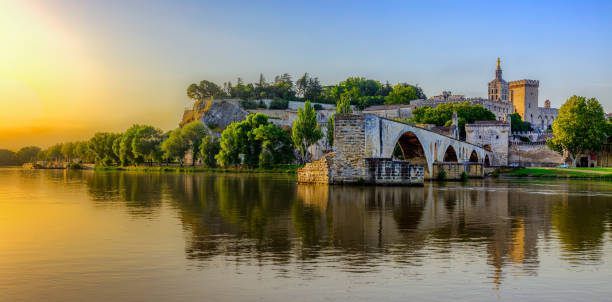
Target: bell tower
498, 88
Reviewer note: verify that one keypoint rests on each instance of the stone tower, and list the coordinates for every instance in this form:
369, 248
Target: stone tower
498, 88
524, 95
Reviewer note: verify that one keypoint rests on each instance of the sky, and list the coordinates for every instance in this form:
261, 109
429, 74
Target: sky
69, 69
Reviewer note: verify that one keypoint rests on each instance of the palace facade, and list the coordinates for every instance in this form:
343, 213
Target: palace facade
506, 98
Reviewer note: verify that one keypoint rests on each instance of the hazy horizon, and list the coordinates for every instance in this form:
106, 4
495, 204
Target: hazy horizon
69, 69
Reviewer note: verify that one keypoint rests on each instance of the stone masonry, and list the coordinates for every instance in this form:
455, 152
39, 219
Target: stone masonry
363, 148
349, 149
316, 172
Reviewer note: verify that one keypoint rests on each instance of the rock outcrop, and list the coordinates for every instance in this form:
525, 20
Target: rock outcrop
221, 113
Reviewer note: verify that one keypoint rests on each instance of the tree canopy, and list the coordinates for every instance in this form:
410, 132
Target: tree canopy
403, 93
204, 90
517, 123
581, 126
28, 154
306, 130
442, 115
243, 142
361, 92
8, 158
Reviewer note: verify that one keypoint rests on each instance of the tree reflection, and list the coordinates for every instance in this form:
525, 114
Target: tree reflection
270, 219
581, 226
141, 192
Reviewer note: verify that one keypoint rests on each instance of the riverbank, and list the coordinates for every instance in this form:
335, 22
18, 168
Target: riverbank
285, 169
573, 173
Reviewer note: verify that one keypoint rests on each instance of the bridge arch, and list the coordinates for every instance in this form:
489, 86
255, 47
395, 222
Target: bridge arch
474, 157
413, 149
450, 155
487, 162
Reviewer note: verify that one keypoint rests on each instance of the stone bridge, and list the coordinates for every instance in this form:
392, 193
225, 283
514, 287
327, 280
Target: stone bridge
362, 142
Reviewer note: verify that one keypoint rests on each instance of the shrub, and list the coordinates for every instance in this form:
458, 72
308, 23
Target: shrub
246, 104
318, 107
74, 166
265, 160
279, 104
524, 139
442, 175
261, 104
464, 176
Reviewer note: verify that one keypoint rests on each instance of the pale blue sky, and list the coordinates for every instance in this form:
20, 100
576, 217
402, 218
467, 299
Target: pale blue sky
147, 52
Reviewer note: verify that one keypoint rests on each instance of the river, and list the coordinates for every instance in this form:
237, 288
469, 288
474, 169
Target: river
130, 236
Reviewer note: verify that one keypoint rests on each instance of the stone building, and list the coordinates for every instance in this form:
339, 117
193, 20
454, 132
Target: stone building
506, 98
492, 136
524, 96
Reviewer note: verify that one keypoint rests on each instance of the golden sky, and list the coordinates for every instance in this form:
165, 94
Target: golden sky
53, 88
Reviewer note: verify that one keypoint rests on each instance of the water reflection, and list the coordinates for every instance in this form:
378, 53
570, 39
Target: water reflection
271, 220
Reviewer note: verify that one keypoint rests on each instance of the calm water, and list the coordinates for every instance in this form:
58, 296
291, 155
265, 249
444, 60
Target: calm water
121, 236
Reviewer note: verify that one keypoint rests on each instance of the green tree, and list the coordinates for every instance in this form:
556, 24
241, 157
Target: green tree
28, 154
176, 146
245, 142
126, 153
193, 133
8, 158
580, 127
306, 130
68, 150
344, 106
82, 151
517, 123
116, 148
209, 148
276, 143
239, 140
331, 121
101, 145
204, 90
442, 115
403, 93
147, 143
54, 152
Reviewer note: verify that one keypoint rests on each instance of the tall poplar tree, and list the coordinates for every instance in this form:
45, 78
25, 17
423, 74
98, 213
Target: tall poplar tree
306, 130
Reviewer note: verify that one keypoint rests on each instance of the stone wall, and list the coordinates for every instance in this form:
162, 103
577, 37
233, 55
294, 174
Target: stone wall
454, 170
349, 149
386, 171
316, 172
533, 155
491, 135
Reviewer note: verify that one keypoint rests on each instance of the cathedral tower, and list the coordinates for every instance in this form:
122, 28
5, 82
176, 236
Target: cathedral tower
498, 88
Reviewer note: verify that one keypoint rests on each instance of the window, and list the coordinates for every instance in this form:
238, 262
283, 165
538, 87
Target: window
497, 137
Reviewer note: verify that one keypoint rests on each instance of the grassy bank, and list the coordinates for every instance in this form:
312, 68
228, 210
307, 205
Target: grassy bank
578, 173
285, 169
